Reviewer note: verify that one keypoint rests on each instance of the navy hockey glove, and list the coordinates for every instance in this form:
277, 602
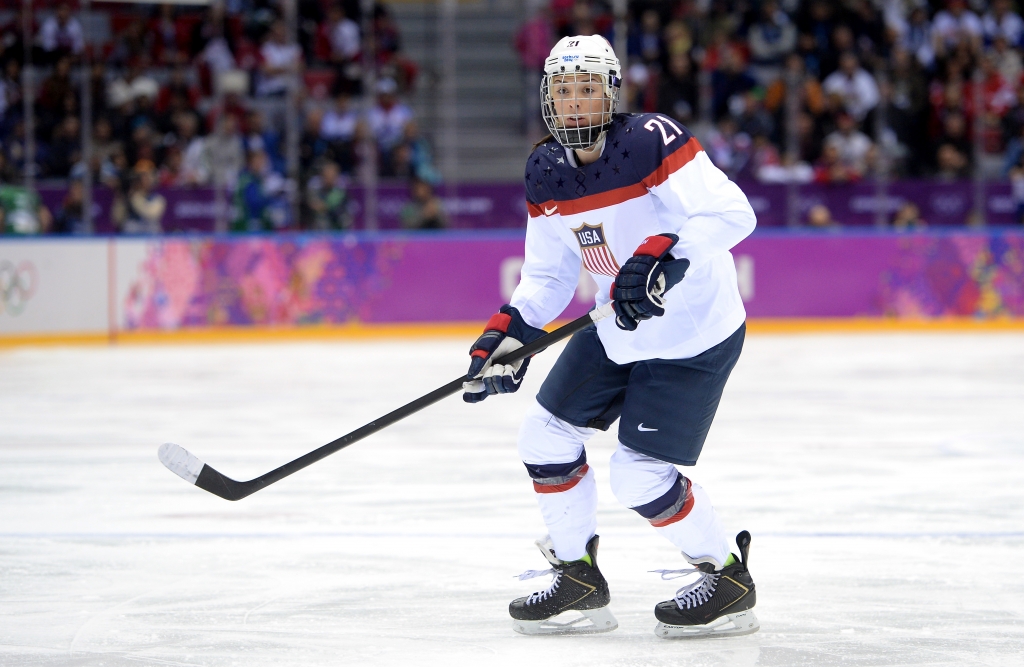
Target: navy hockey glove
505, 332
639, 289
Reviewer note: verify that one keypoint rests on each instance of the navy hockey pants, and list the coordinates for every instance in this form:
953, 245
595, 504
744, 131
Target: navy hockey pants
666, 405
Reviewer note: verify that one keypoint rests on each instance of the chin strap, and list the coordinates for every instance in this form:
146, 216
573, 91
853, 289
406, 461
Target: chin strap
597, 146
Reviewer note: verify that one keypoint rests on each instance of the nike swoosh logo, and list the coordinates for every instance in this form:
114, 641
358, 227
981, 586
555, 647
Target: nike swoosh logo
549, 211
642, 428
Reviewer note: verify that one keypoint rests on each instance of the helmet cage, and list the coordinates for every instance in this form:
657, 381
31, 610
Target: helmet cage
574, 134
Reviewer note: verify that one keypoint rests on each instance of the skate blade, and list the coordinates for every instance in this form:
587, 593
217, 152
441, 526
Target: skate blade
590, 621
731, 625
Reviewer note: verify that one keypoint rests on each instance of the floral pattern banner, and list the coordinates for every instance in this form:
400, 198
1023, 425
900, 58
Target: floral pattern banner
301, 280
266, 281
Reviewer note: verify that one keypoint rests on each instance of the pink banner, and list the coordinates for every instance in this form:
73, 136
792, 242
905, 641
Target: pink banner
307, 279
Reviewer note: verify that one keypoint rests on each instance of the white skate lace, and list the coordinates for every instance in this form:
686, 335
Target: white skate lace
540, 596
695, 594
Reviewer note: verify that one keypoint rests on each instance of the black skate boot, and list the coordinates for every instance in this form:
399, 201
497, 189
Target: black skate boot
577, 586
720, 603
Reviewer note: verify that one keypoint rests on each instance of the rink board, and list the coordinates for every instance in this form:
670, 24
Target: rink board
116, 286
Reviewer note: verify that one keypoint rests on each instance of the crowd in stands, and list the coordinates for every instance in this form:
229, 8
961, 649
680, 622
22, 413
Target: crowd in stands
186, 96
825, 91
822, 90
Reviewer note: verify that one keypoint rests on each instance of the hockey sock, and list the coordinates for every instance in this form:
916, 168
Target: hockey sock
695, 528
567, 495
677, 508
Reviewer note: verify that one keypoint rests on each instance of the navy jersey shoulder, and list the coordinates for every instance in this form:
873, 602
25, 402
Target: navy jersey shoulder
636, 145
651, 138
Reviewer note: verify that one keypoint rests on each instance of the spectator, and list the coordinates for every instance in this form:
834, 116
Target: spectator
1007, 59
339, 122
21, 212
145, 208
728, 148
55, 87
678, 39
857, 88
831, 169
952, 163
70, 218
389, 117
855, 150
751, 115
165, 37
385, 32
264, 137
345, 47
953, 148
816, 25
134, 45
177, 89
917, 37
65, 148
424, 210
279, 61
12, 45
789, 170
646, 43
261, 202
327, 199
908, 218
171, 173
224, 152
954, 26
312, 148
728, 81
10, 95
809, 92
61, 35
195, 166
1016, 174
677, 90
412, 158
7, 172
819, 218
764, 157
771, 39
533, 42
1001, 22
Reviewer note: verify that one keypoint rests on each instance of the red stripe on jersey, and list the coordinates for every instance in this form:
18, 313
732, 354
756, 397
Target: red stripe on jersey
674, 162
678, 516
558, 488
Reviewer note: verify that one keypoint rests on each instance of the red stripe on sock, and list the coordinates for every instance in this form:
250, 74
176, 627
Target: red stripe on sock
558, 488
678, 516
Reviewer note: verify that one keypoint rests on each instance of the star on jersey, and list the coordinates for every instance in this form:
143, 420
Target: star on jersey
597, 256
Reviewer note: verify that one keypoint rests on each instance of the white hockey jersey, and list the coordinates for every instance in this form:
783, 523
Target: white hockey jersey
652, 177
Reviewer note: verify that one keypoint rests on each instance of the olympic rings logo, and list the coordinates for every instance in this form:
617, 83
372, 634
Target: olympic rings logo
17, 285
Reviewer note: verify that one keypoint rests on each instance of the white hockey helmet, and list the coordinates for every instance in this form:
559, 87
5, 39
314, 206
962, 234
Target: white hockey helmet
574, 113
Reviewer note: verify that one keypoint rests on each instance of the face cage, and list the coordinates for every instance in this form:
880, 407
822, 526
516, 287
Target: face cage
578, 137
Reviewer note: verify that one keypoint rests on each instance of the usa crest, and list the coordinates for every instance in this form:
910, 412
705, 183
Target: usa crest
597, 256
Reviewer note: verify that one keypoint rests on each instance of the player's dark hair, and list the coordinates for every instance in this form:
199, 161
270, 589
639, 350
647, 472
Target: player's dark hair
548, 137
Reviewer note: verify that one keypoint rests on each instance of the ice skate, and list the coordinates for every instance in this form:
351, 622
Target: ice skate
575, 603
720, 603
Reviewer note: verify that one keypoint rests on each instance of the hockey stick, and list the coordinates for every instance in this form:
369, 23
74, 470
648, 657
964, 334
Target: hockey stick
179, 461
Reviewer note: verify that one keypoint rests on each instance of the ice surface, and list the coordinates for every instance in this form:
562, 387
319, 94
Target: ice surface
880, 475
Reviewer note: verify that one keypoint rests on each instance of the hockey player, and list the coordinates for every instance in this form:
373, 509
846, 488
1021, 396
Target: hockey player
636, 201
